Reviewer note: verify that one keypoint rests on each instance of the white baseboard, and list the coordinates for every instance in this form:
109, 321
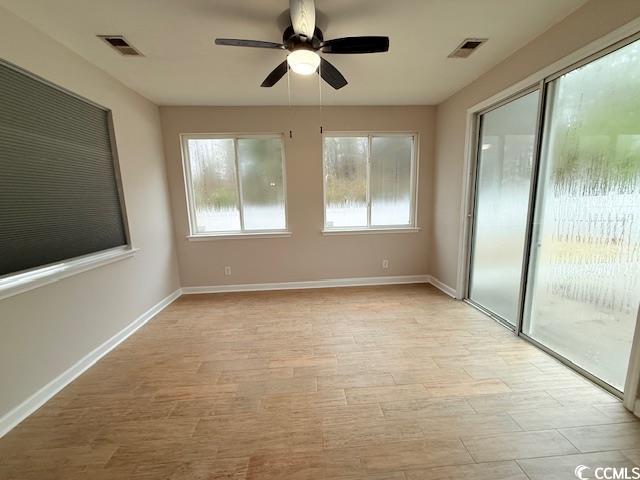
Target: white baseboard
443, 287
338, 282
35, 401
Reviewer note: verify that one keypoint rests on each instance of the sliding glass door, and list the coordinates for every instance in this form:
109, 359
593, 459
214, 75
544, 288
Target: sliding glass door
505, 156
555, 231
584, 276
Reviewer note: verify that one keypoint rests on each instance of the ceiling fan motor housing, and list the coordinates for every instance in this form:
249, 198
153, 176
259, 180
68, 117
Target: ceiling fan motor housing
294, 42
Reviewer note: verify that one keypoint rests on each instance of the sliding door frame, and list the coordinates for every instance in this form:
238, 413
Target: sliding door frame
471, 215
538, 81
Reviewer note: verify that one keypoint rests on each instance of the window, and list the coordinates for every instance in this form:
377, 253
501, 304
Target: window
369, 181
59, 193
235, 184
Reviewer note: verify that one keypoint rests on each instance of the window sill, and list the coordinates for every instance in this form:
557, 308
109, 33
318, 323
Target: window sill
369, 231
209, 237
23, 282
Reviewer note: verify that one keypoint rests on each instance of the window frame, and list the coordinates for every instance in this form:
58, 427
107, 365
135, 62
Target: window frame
192, 234
412, 226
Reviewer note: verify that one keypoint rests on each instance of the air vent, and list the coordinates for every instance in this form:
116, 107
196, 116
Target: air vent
119, 43
467, 47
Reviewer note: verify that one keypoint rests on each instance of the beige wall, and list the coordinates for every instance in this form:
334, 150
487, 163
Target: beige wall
307, 255
585, 25
45, 331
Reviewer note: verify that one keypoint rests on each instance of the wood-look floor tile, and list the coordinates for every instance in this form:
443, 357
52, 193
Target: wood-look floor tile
475, 471
512, 401
56, 473
249, 435
51, 432
617, 436
280, 385
559, 417
616, 412
413, 454
467, 425
584, 395
162, 450
295, 467
322, 371
310, 361
52, 458
207, 407
633, 455
457, 361
502, 372
385, 394
511, 446
134, 431
543, 381
478, 387
350, 415
232, 365
333, 382
370, 476
431, 376
429, 407
368, 432
212, 469
257, 375
191, 392
312, 402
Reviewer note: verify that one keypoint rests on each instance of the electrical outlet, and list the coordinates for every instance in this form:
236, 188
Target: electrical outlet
227, 270
385, 263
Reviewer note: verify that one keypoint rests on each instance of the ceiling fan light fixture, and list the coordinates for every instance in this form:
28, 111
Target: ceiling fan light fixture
303, 62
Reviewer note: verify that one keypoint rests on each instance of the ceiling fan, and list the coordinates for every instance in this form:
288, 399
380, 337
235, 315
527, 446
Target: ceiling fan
305, 41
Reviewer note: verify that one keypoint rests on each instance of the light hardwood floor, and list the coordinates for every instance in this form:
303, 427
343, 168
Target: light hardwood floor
393, 383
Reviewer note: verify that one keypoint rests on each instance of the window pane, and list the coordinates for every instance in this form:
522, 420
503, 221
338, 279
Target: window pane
584, 283
260, 164
503, 182
345, 160
391, 180
213, 180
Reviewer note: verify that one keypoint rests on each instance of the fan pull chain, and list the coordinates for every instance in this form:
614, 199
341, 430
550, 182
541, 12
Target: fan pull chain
320, 90
289, 94
289, 83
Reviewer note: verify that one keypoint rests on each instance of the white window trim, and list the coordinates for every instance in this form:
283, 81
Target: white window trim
373, 229
369, 231
192, 234
234, 235
21, 282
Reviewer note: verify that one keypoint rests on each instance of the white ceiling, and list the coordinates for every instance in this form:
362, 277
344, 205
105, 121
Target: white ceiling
181, 65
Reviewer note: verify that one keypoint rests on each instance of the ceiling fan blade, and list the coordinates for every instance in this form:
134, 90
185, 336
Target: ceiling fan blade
356, 45
236, 42
275, 75
303, 17
331, 75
